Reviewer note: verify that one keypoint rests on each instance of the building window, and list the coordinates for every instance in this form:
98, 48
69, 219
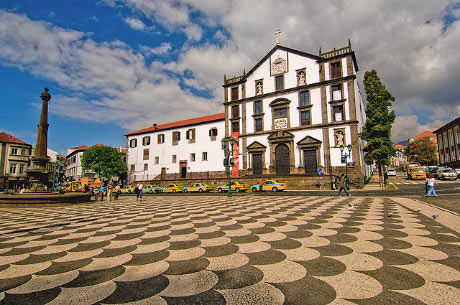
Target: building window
259, 125
192, 157
213, 132
146, 154
133, 143
235, 126
279, 82
157, 160
258, 107
205, 156
174, 158
234, 93
337, 92
280, 112
21, 169
14, 151
146, 167
175, 137
133, 167
305, 117
146, 140
12, 168
190, 134
161, 138
235, 112
304, 98
337, 113
336, 69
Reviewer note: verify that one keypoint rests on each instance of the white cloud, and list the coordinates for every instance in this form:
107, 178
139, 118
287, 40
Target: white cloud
164, 48
408, 126
135, 24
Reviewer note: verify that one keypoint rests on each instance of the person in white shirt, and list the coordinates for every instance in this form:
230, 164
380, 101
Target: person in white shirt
430, 181
139, 192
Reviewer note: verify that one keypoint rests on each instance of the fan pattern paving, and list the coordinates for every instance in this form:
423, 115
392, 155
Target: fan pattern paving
215, 250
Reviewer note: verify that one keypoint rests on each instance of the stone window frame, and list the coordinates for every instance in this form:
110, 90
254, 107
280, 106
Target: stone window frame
145, 154
261, 108
278, 104
237, 122
232, 91
279, 76
14, 151
300, 116
235, 114
331, 63
146, 140
337, 104
344, 137
341, 92
309, 98
256, 82
304, 70
12, 168
261, 118
21, 169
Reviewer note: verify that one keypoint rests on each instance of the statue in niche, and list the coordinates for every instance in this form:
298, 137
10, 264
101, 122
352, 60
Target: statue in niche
339, 138
301, 80
259, 88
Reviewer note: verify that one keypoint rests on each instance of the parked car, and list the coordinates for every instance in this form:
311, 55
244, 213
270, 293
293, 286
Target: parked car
198, 187
235, 186
270, 185
172, 188
391, 171
457, 170
148, 188
432, 169
447, 174
127, 189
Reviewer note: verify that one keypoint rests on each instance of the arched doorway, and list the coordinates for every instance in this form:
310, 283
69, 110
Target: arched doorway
282, 161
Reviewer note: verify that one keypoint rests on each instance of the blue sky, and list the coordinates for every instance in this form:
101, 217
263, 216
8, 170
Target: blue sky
115, 66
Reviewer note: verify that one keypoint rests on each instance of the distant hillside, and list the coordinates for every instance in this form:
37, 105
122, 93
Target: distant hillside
404, 143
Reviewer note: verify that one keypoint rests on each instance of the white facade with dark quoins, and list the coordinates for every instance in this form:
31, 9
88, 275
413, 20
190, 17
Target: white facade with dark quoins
293, 110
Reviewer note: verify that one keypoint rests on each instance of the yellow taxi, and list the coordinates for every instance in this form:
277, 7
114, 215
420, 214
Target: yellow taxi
127, 189
235, 187
270, 185
198, 187
171, 188
148, 188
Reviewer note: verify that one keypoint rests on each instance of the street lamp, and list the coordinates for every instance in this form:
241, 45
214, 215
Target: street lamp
345, 155
227, 147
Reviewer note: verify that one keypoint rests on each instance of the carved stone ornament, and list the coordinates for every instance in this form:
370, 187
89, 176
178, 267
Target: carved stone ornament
279, 66
281, 123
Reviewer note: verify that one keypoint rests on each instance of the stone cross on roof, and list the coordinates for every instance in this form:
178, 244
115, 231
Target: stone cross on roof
277, 34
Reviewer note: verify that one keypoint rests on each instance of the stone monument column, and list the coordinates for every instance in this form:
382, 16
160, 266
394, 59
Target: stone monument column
39, 175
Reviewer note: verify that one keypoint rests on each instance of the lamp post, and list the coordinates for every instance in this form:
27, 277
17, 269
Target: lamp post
345, 155
227, 147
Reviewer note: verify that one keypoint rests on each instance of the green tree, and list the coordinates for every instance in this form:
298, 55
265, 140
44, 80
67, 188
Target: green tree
377, 130
422, 150
104, 160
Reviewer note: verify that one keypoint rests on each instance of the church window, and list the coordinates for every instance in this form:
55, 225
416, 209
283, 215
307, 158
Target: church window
337, 92
337, 113
235, 112
279, 82
304, 97
259, 126
146, 154
305, 117
280, 112
161, 138
235, 126
133, 143
146, 141
234, 93
336, 69
257, 107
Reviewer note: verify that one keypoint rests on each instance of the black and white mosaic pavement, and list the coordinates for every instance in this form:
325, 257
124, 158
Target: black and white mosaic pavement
242, 250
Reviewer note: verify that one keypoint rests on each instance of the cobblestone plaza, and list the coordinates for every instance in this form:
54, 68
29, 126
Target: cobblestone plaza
241, 250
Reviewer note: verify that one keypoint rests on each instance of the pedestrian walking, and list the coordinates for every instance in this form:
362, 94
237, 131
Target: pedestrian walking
109, 191
117, 191
261, 183
385, 179
343, 185
139, 192
431, 182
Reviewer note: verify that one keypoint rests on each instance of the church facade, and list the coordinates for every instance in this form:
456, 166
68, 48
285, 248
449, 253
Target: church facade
297, 113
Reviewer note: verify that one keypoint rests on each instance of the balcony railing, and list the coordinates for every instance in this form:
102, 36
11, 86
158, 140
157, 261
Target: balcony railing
336, 52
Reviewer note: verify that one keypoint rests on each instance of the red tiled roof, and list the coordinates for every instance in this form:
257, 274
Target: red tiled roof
399, 146
7, 138
426, 134
194, 121
84, 147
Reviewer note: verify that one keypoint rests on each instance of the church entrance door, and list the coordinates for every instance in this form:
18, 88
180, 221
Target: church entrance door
282, 161
257, 164
309, 161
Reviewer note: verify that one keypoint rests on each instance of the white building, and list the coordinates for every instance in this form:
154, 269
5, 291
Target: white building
183, 149
293, 110
74, 170
14, 161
